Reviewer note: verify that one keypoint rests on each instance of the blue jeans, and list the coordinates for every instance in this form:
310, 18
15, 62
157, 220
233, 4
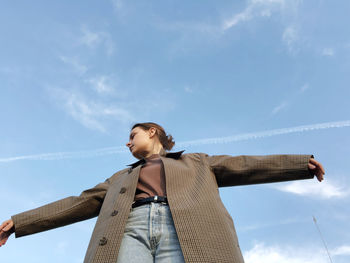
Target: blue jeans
150, 236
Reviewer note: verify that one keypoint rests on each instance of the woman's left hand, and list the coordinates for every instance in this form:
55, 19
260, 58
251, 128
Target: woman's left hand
316, 168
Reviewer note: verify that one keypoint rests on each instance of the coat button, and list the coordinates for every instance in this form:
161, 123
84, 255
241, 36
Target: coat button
114, 213
103, 241
130, 170
122, 190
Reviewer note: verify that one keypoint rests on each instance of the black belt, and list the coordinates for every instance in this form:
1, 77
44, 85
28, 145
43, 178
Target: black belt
156, 199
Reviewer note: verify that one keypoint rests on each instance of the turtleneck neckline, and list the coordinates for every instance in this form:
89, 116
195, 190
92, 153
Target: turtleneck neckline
153, 157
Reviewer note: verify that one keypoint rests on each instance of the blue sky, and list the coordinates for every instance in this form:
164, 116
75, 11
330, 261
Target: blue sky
251, 77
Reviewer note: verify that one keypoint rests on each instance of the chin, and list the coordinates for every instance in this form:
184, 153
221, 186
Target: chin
136, 154
139, 155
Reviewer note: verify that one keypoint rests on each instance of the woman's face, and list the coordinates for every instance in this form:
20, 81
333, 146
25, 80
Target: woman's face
140, 142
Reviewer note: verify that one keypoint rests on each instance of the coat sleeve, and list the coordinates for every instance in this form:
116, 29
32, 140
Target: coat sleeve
243, 170
62, 212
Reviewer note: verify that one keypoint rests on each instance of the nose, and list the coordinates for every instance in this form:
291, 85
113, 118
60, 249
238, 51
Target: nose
128, 144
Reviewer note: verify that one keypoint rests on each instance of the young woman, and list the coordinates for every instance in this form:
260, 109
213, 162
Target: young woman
166, 206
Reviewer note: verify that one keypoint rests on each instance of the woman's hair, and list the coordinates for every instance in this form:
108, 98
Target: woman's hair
166, 140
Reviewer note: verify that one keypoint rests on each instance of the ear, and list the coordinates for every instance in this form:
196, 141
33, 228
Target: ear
152, 131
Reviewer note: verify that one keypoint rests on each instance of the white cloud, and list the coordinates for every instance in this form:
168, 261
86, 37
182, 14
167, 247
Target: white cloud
254, 8
280, 107
83, 112
327, 52
103, 84
341, 251
89, 38
261, 253
266, 8
291, 37
94, 39
88, 112
237, 18
73, 62
285, 104
313, 188
193, 32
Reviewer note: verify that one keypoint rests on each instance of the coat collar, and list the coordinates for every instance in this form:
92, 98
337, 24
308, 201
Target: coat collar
174, 155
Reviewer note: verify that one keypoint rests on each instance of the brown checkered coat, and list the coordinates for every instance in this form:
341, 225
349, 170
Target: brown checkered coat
204, 227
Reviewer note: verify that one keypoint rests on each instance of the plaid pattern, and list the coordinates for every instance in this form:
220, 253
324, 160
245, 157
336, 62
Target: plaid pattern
205, 229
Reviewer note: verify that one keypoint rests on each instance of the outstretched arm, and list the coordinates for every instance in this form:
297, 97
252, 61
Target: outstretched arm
60, 213
243, 170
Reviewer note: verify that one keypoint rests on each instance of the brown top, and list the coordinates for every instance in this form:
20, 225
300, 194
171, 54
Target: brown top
152, 178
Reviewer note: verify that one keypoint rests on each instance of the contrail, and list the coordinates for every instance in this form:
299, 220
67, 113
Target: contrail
263, 134
67, 155
217, 140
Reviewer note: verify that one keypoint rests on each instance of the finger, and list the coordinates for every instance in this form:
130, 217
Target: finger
2, 225
312, 160
3, 241
319, 171
5, 223
322, 169
8, 227
320, 177
311, 166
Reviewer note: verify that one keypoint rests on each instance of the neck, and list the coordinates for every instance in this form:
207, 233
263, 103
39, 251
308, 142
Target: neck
156, 149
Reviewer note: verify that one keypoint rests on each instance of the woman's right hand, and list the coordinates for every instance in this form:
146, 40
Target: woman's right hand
6, 229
